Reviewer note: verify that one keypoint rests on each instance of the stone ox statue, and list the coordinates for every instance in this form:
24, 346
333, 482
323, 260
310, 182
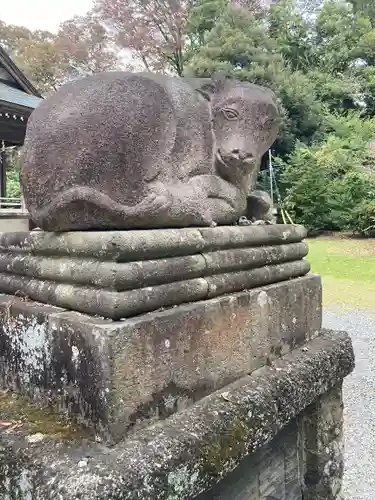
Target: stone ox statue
127, 150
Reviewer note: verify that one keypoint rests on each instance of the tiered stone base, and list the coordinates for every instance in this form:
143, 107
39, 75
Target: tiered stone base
124, 273
117, 375
182, 351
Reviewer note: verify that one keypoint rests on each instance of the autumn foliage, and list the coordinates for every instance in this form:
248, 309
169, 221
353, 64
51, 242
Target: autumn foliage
81, 46
152, 29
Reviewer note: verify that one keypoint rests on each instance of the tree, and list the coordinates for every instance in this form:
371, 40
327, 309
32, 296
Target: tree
162, 34
291, 33
337, 33
366, 7
366, 76
85, 46
240, 46
201, 19
81, 46
331, 184
341, 91
152, 29
309, 6
11, 36
34, 52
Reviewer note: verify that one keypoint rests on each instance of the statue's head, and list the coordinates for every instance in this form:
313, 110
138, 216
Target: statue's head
245, 124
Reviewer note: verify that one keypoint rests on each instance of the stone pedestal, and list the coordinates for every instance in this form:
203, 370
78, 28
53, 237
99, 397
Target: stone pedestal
175, 357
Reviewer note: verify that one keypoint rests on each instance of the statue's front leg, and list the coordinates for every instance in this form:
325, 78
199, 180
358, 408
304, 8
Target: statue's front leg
188, 206
205, 200
223, 202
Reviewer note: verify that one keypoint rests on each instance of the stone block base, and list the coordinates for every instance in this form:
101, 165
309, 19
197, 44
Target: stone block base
198, 453
115, 376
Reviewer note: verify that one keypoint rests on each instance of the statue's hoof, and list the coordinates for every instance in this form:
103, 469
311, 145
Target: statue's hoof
243, 221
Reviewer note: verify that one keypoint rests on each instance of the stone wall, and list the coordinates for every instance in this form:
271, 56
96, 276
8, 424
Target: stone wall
197, 448
273, 471
303, 462
323, 446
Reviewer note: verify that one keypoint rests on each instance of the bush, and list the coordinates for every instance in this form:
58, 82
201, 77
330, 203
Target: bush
363, 218
325, 185
13, 163
348, 193
306, 185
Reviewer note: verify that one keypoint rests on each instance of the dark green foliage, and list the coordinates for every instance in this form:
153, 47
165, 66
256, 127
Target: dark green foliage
337, 32
202, 18
366, 7
362, 219
291, 32
12, 161
319, 59
336, 91
239, 45
325, 184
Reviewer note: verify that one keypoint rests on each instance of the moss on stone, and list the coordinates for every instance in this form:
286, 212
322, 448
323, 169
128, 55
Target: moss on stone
228, 447
34, 418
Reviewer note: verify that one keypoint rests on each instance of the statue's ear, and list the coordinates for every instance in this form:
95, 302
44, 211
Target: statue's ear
275, 120
220, 80
207, 90
213, 86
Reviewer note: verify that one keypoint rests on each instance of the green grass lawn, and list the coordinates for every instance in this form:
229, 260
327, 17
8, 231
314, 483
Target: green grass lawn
347, 267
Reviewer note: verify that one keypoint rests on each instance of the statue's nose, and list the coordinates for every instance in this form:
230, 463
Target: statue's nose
242, 155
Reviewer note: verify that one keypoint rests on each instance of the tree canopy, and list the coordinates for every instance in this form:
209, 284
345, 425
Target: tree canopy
81, 46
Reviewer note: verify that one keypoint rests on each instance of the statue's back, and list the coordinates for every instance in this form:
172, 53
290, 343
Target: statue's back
103, 139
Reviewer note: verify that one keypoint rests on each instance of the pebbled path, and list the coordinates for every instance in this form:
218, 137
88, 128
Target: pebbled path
359, 399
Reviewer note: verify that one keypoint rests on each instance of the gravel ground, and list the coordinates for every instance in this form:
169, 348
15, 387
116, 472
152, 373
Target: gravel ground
359, 398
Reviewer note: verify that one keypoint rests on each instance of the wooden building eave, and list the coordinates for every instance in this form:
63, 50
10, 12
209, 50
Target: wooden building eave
23, 82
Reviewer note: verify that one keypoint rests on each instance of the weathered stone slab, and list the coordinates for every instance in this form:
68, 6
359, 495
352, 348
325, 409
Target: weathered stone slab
143, 273
193, 450
116, 305
126, 246
169, 267
119, 375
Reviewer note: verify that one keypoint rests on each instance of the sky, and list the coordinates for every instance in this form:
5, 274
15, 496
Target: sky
41, 14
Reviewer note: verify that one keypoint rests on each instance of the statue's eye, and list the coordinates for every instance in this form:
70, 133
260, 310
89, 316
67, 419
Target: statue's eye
230, 113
